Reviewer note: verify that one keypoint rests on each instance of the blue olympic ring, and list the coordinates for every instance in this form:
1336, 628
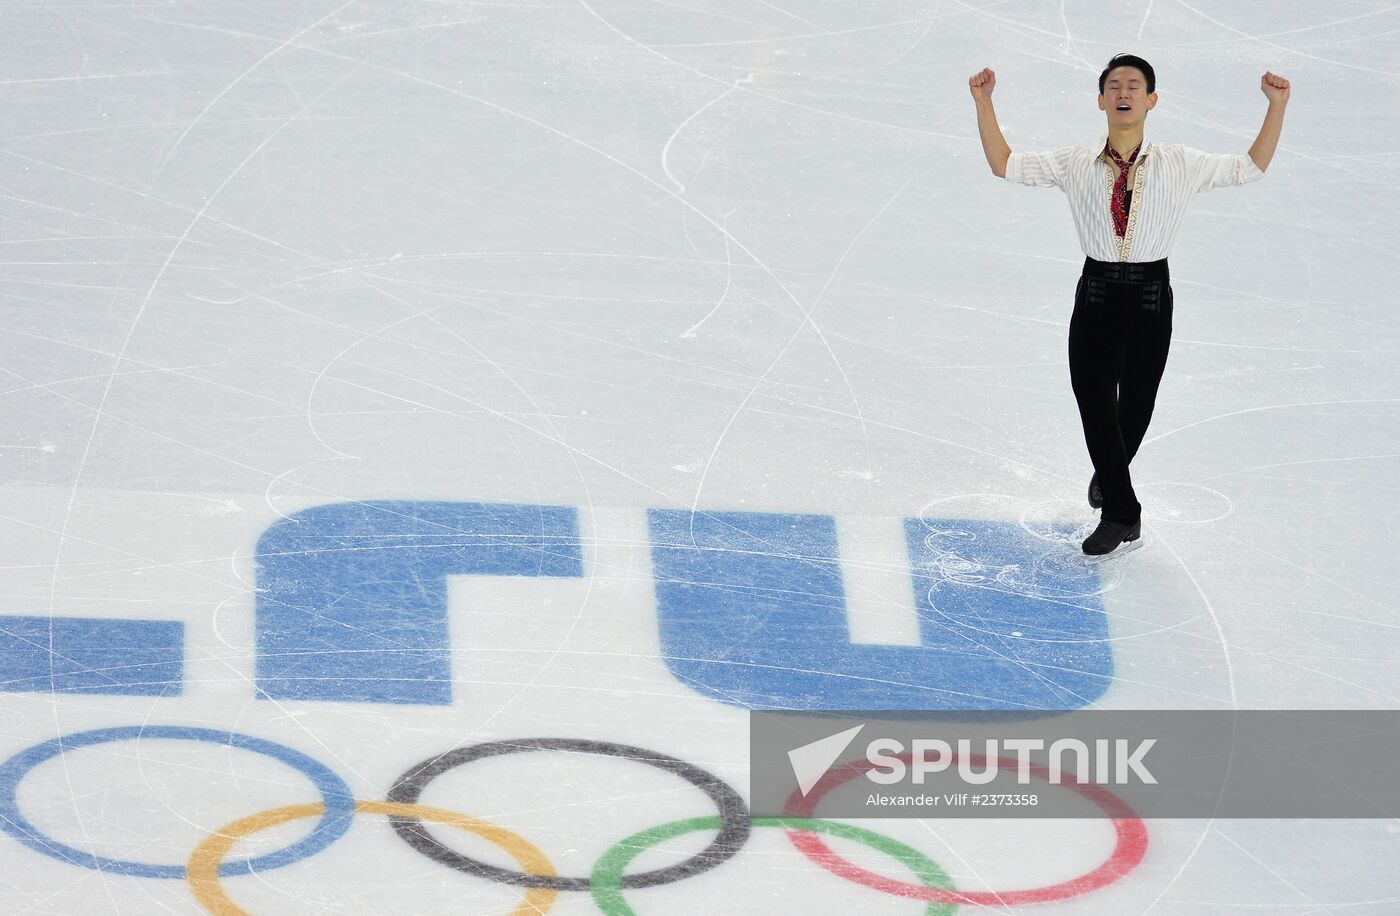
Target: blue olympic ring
339, 802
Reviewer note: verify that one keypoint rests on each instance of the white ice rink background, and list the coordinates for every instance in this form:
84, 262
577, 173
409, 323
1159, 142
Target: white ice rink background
385, 379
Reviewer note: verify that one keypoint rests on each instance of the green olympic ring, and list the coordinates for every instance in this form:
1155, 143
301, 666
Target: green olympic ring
606, 880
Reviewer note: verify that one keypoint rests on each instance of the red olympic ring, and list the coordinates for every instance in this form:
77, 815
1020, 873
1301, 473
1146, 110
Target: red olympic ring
1129, 850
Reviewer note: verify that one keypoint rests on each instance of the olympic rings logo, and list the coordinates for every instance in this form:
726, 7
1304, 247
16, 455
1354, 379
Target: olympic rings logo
537, 877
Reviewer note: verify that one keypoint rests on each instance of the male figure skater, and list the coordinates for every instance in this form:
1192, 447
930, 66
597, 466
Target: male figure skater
1128, 197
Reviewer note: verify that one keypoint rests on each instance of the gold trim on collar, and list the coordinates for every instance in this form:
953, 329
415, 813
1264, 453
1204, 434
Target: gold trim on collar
1133, 208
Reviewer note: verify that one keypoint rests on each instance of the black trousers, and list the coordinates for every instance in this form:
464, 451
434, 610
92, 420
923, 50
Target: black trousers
1119, 336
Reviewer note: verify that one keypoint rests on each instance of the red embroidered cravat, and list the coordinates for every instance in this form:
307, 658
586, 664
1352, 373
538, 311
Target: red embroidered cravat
1120, 188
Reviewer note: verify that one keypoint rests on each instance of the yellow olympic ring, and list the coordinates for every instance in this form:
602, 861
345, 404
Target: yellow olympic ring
203, 868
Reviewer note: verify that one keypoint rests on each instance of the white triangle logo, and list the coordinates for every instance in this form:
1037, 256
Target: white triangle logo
811, 761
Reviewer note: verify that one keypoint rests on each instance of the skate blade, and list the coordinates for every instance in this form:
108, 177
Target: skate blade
1122, 550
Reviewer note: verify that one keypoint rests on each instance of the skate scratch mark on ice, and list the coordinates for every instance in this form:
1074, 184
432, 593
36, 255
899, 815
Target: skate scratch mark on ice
1033, 669
1369, 351
657, 662
310, 414
554, 437
950, 853
421, 27
369, 264
728, 285
126, 342
82, 45
1070, 44
95, 76
985, 630
558, 439
666, 150
791, 15
51, 387
197, 215
1282, 879
1250, 545
1293, 662
588, 536
522, 688
1380, 624
1294, 481
1292, 464
728, 252
147, 196
1143, 25
1234, 703
1186, 115
130, 228
714, 15
1261, 40
806, 321
580, 142
577, 141
120, 355
794, 36
84, 668
776, 99
1214, 618
1248, 410
779, 100
653, 354
933, 691
1309, 28
1369, 37
807, 318
899, 24
149, 563
928, 27
1056, 40
105, 567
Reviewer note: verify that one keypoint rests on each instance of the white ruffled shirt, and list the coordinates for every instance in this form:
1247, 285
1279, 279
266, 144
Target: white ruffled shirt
1168, 176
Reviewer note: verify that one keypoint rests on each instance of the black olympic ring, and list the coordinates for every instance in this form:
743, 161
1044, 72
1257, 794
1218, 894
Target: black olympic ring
734, 812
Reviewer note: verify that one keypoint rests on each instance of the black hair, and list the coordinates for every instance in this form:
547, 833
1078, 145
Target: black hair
1130, 60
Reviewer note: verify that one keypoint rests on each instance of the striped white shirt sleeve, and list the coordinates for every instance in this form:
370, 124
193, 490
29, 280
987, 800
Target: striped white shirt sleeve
1039, 170
1167, 178
1205, 171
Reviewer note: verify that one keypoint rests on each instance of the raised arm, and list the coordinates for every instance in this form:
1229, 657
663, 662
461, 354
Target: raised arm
1275, 89
993, 143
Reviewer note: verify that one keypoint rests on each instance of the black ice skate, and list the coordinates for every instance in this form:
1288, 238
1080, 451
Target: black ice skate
1095, 494
1109, 535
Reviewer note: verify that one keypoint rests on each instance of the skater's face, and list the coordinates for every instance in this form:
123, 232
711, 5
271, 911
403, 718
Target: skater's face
1125, 97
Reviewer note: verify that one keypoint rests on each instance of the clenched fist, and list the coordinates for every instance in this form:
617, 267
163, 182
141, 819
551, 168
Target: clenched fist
1274, 87
982, 84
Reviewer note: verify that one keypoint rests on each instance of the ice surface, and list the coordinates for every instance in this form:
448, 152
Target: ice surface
401, 263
